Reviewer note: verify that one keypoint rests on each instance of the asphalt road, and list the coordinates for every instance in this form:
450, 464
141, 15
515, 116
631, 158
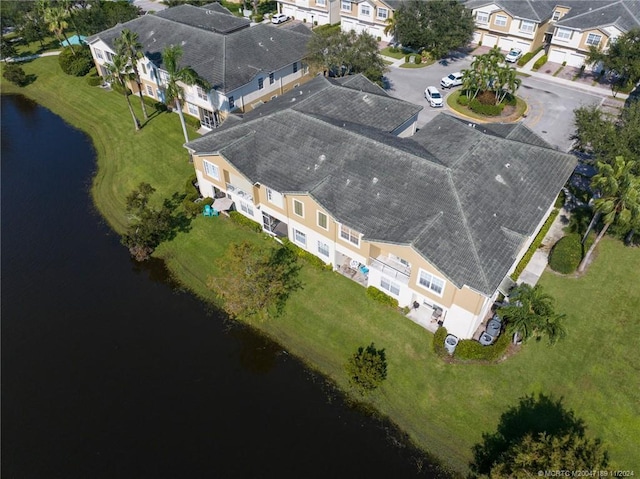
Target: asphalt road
550, 105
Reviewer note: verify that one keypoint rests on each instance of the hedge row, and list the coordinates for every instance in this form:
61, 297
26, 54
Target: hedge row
488, 110
540, 61
240, 219
528, 56
377, 295
438, 341
417, 58
157, 105
309, 258
566, 254
193, 122
537, 241
470, 349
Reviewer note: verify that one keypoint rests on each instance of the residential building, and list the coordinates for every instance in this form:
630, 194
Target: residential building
436, 220
320, 12
244, 65
369, 16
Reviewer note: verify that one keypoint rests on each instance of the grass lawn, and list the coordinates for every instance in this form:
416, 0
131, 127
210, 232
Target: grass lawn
444, 408
393, 54
418, 65
452, 98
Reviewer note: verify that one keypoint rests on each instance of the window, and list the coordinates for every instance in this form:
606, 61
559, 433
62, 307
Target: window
211, 170
150, 90
346, 6
482, 17
321, 3
246, 207
202, 94
232, 104
272, 78
431, 282
99, 54
298, 208
365, 10
193, 110
109, 56
593, 39
390, 286
500, 21
527, 26
270, 195
349, 235
295, 67
556, 16
323, 249
300, 237
260, 83
144, 68
383, 13
322, 220
563, 34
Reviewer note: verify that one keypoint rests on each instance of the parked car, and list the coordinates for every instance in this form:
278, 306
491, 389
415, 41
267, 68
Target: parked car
433, 96
514, 55
279, 18
454, 79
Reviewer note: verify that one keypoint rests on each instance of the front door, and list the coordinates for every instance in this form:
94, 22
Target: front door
208, 119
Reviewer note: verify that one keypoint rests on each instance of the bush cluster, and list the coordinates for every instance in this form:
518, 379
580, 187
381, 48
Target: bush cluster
240, 219
94, 80
566, 254
309, 258
191, 194
192, 121
540, 61
119, 89
528, 56
537, 241
157, 105
463, 99
438, 341
469, 349
76, 60
381, 297
482, 109
15, 74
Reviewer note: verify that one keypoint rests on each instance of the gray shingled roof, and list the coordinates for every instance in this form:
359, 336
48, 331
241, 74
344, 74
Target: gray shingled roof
359, 82
211, 20
216, 7
227, 62
536, 10
467, 206
625, 14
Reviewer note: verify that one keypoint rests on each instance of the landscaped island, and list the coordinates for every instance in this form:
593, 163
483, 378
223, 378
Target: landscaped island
444, 408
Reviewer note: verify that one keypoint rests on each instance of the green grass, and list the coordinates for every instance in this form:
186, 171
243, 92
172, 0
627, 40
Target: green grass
388, 53
444, 408
424, 63
452, 98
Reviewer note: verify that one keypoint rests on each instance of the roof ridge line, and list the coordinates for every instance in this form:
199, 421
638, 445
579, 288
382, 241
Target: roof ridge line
624, 4
474, 250
591, 11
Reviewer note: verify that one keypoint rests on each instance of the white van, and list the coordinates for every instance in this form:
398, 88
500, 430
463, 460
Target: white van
433, 96
454, 79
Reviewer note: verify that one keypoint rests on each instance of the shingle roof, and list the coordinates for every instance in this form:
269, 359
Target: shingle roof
465, 198
205, 19
227, 62
216, 7
624, 14
536, 10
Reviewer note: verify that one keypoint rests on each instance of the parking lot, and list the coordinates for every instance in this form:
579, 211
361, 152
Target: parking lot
551, 105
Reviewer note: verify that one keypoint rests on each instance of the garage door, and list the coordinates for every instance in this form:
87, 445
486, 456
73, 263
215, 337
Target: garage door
575, 60
489, 40
505, 44
289, 11
557, 56
476, 37
524, 46
347, 25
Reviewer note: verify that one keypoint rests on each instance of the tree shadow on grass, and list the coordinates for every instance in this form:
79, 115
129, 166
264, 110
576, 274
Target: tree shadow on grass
531, 416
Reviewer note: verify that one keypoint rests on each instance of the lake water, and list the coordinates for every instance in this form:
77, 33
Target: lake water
109, 372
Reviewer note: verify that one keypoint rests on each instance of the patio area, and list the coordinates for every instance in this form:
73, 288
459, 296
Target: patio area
429, 317
352, 269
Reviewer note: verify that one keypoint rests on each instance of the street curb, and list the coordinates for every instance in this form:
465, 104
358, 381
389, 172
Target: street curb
482, 121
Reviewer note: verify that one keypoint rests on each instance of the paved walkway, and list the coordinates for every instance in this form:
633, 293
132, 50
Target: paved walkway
31, 57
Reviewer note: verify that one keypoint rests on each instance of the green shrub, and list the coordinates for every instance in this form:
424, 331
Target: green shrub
471, 350
540, 61
15, 74
488, 110
76, 60
528, 56
94, 80
153, 103
394, 49
463, 99
560, 200
535, 244
438, 342
566, 254
258, 18
119, 89
381, 297
240, 219
418, 59
192, 121
309, 258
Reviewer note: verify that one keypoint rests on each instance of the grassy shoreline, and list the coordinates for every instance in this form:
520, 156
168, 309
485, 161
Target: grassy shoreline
443, 408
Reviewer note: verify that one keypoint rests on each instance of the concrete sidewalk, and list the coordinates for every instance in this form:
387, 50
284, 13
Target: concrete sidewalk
31, 57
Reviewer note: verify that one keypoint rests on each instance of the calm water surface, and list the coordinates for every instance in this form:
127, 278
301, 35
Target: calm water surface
108, 372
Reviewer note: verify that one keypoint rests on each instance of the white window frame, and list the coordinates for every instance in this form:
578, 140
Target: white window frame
246, 207
202, 94
564, 34
272, 78
500, 18
99, 53
295, 204
321, 3
303, 237
557, 15
211, 169
232, 103
323, 249
365, 10
150, 91
389, 286
269, 195
382, 13
429, 279
193, 110
345, 6
144, 68
482, 17
530, 26
326, 218
295, 67
588, 42
260, 83
349, 235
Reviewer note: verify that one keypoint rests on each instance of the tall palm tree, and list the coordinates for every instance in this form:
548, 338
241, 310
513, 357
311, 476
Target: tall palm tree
530, 313
174, 93
56, 18
391, 25
619, 200
120, 73
127, 44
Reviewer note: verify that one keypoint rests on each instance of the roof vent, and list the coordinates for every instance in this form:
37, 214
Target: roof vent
316, 166
507, 165
183, 43
365, 97
375, 180
377, 195
260, 44
322, 157
209, 12
348, 181
271, 38
500, 179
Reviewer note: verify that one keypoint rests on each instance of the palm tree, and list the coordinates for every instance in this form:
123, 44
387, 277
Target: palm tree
619, 198
530, 313
56, 19
391, 25
174, 93
120, 72
127, 44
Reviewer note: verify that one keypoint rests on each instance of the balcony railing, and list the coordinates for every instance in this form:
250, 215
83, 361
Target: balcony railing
240, 193
386, 267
